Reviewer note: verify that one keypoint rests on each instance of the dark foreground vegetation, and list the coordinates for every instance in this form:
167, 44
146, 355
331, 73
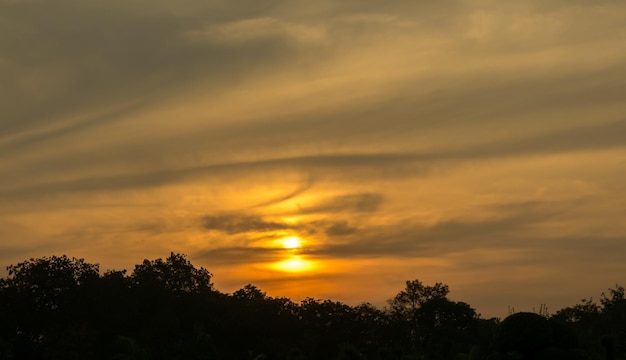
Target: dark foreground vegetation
64, 308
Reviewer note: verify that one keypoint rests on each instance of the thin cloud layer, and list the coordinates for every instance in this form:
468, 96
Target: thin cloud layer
233, 224
472, 142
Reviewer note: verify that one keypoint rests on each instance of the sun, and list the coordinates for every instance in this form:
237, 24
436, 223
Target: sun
294, 264
291, 242
292, 260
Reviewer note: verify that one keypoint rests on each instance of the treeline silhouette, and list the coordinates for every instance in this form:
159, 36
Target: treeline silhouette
64, 308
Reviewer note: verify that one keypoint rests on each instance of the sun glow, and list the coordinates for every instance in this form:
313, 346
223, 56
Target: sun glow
291, 242
294, 263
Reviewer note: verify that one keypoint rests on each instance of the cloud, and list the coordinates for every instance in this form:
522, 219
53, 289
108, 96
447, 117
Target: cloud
322, 166
235, 224
510, 238
98, 59
351, 206
242, 31
88, 117
340, 229
588, 137
240, 255
367, 202
359, 165
509, 227
299, 191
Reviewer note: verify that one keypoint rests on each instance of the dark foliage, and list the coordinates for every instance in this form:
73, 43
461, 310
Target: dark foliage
64, 308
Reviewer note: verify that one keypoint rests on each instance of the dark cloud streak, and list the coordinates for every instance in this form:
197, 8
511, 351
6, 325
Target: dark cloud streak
366, 164
235, 224
596, 137
367, 202
509, 229
241, 255
299, 191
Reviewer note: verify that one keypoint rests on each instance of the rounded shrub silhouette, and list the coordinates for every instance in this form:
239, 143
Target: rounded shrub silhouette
524, 333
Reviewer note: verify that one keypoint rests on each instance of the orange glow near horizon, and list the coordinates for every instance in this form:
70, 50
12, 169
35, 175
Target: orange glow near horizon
291, 262
294, 263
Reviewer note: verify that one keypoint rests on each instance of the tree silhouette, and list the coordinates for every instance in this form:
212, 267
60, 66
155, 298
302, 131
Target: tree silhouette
414, 295
430, 323
63, 308
524, 334
47, 298
175, 274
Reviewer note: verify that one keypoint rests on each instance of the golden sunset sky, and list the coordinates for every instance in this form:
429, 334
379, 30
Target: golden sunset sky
331, 149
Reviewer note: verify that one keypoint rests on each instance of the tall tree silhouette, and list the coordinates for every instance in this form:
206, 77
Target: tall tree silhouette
430, 323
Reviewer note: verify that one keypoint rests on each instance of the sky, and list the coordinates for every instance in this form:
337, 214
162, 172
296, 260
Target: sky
326, 149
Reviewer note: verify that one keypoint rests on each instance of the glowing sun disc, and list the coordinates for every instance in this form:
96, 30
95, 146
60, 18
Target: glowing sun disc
291, 242
293, 264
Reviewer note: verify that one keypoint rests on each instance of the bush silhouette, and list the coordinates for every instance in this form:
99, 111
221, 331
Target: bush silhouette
524, 333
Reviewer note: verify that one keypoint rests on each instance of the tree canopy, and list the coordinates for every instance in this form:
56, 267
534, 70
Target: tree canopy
64, 308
